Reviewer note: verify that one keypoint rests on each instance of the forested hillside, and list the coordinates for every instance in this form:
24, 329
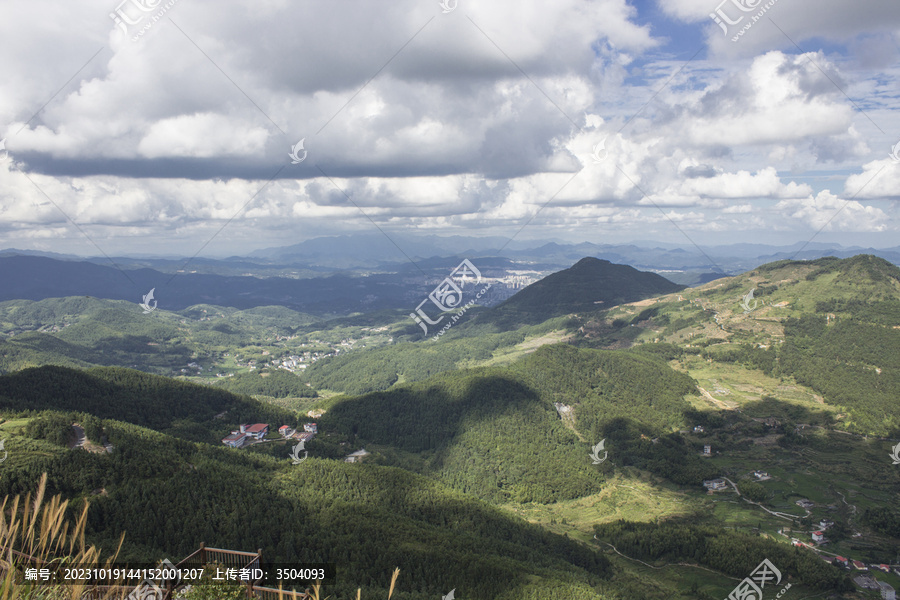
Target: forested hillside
831, 325
190, 411
275, 383
495, 432
169, 495
381, 368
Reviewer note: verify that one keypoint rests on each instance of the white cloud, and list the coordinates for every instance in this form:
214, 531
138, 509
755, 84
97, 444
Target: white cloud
201, 135
879, 179
779, 99
155, 140
831, 213
763, 184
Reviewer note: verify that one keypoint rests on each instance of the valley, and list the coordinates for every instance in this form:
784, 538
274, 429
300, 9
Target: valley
465, 438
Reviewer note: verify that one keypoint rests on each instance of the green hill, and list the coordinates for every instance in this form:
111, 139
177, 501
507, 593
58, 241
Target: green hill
588, 285
275, 383
33, 349
194, 412
495, 432
831, 326
83, 331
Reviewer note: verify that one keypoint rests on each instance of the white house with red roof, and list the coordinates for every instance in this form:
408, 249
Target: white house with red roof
311, 427
246, 434
235, 440
818, 536
257, 430
285, 431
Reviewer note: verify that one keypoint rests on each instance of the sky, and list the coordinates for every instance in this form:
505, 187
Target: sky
199, 127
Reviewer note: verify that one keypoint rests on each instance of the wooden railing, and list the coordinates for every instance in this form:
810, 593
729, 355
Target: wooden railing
235, 559
264, 593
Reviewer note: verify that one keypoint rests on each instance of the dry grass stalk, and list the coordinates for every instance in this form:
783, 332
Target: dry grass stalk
36, 533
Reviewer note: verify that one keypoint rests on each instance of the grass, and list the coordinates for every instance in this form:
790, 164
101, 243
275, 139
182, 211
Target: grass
36, 532
510, 354
676, 579
633, 496
737, 386
14, 425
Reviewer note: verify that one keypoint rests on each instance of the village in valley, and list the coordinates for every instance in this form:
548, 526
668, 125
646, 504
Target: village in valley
258, 433
818, 537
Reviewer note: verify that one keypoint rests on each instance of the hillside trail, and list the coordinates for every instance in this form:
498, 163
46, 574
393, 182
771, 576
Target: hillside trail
80, 436
567, 416
716, 401
844, 500
570, 424
681, 564
781, 515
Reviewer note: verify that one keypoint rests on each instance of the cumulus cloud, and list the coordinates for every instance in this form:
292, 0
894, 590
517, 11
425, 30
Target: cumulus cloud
778, 99
880, 179
831, 213
482, 119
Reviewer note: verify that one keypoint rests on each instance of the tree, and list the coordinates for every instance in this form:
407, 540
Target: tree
753, 491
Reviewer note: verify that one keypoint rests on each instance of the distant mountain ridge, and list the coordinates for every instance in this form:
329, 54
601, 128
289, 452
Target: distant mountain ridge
377, 250
364, 252
329, 276
38, 278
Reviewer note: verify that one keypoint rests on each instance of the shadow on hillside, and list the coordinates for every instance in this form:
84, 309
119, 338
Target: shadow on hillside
134, 397
418, 420
767, 413
770, 407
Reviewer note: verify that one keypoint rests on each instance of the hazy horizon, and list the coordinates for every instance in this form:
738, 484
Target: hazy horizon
649, 244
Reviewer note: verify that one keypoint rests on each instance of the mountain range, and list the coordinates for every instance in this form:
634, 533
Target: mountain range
375, 252
483, 446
